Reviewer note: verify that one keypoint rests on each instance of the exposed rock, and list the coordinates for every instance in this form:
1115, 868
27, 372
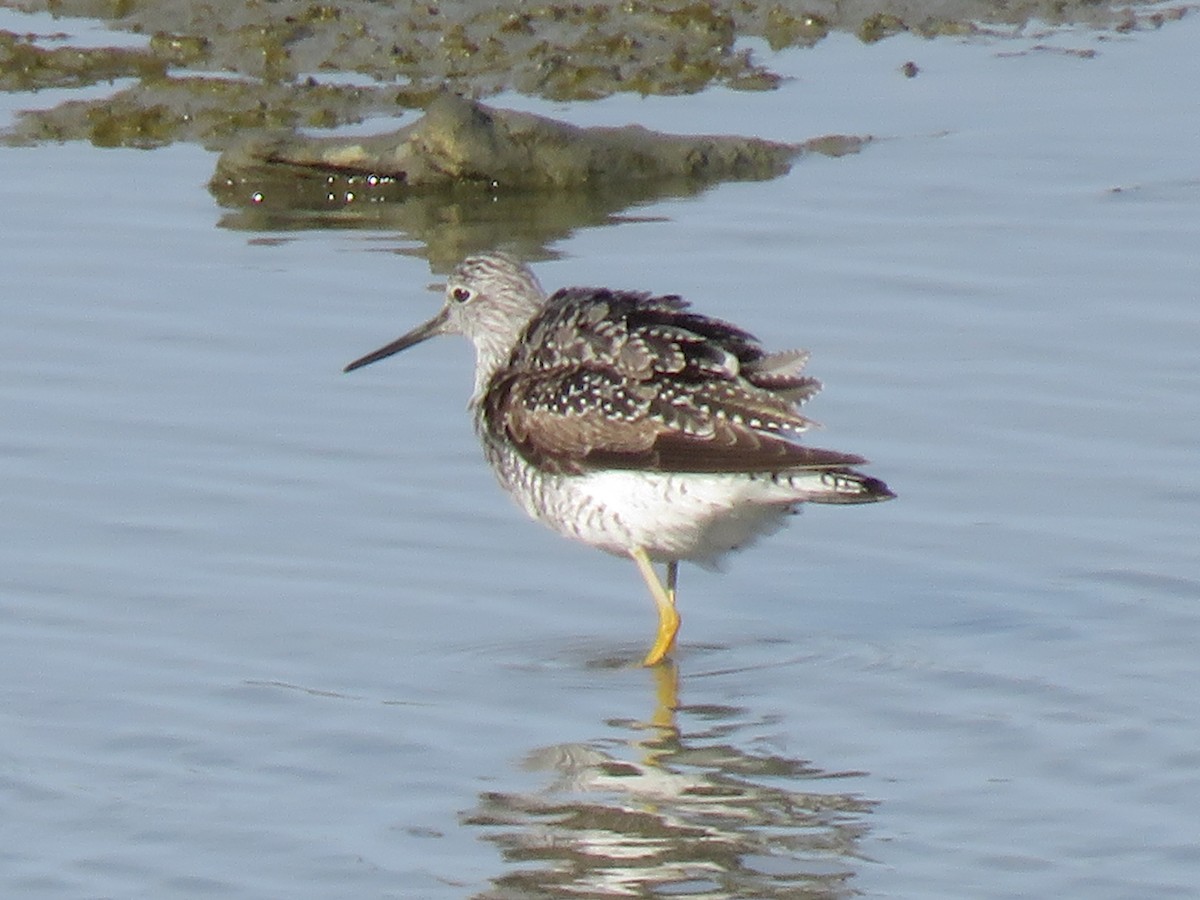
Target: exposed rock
458, 142
466, 176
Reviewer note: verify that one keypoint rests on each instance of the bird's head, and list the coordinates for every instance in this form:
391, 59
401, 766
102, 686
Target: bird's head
489, 299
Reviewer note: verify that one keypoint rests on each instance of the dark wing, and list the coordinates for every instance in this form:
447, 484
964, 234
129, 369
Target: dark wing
606, 379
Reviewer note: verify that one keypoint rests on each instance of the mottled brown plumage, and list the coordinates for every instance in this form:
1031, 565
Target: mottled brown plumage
604, 379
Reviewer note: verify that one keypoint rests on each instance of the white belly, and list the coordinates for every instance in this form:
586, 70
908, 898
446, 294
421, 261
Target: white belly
694, 517
697, 517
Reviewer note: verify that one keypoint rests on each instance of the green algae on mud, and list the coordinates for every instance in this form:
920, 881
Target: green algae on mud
278, 58
26, 66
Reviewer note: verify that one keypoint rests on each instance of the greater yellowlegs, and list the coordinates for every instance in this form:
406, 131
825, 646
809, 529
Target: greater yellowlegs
627, 422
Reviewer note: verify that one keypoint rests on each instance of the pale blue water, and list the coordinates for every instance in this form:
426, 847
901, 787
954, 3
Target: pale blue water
268, 630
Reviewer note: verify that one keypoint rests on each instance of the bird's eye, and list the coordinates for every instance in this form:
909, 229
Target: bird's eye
461, 294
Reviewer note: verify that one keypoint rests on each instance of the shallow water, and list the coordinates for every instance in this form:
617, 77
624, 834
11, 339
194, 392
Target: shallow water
269, 630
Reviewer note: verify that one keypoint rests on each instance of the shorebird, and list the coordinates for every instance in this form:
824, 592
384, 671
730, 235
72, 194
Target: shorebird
628, 422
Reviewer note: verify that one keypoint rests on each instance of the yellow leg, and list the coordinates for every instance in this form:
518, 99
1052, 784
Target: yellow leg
664, 599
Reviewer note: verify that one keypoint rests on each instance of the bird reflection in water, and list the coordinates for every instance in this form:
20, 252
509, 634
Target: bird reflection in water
691, 810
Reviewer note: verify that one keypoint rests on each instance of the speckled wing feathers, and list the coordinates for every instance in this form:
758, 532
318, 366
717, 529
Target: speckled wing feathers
610, 379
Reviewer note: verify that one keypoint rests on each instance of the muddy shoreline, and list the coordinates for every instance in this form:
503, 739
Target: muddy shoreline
210, 72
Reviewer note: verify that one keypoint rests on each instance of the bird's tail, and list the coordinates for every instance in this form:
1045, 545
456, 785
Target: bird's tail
838, 485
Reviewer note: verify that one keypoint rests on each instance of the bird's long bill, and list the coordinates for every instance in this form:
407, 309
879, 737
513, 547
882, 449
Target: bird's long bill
434, 326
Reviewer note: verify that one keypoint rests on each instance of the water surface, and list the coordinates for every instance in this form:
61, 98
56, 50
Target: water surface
269, 630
